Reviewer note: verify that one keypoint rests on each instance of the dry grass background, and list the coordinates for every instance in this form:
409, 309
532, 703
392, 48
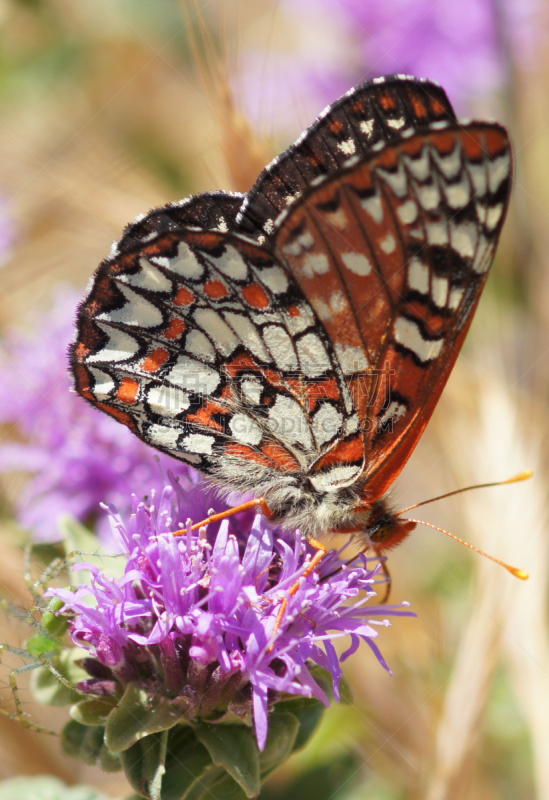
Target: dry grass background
110, 108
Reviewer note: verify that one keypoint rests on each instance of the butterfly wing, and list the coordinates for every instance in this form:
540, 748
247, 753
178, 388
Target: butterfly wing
392, 255
370, 115
206, 348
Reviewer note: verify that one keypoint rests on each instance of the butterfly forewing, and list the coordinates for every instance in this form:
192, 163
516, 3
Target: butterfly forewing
392, 255
372, 114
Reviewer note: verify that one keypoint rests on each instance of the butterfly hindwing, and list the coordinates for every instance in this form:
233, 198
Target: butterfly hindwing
206, 348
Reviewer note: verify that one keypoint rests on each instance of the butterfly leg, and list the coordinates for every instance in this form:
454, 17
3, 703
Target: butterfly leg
260, 501
385, 570
321, 551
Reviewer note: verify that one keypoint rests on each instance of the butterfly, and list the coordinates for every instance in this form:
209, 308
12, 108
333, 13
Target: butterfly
293, 342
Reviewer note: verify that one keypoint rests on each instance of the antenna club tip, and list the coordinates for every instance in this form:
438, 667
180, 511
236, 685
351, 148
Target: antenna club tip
518, 573
522, 476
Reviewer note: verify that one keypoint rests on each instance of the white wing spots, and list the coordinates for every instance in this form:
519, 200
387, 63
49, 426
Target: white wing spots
268, 226
394, 412
493, 216
313, 358
315, 264
336, 478
120, 347
437, 233
148, 277
185, 263
463, 238
303, 242
367, 126
193, 376
280, 346
388, 245
407, 212
163, 436
397, 123
274, 279
245, 430
337, 302
498, 170
439, 291
199, 443
347, 147
104, 386
429, 196
248, 334
252, 389
483, 258
396, 180
419, 167
351, 359
351, 425
326, 423
231, 264
450, 164
287, 420
338, 219
199, 345
358, 263
297, 323
439, 124
477, 173
136, 311
167, 401
456, 296
457, 194
407, 333
374, 207
224, 338
418, 276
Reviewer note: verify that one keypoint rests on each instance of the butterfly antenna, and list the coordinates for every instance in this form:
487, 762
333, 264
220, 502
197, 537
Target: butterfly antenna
519, 573
522, 476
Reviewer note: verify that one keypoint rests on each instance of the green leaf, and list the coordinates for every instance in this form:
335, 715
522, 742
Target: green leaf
234, 748
45, 787
187, 765
88, 745
93, 711
225, 788
309, 711
144, 764
283, 730
138, 714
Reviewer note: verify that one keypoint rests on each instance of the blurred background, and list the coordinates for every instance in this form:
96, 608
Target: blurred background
111, 107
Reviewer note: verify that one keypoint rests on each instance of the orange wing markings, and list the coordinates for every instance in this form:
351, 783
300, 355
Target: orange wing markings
204, 416
128, 391
347, 451
176, 326
156, 359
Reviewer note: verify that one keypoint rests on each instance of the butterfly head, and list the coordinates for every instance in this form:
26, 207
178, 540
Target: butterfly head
383, 529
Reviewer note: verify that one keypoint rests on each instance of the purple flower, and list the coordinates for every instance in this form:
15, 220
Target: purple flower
76, 455
465, 45
194, 621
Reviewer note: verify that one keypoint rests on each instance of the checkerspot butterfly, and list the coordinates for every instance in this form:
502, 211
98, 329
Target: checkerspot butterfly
293, 342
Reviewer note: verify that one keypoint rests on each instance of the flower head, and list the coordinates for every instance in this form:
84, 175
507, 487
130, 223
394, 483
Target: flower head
194, 621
